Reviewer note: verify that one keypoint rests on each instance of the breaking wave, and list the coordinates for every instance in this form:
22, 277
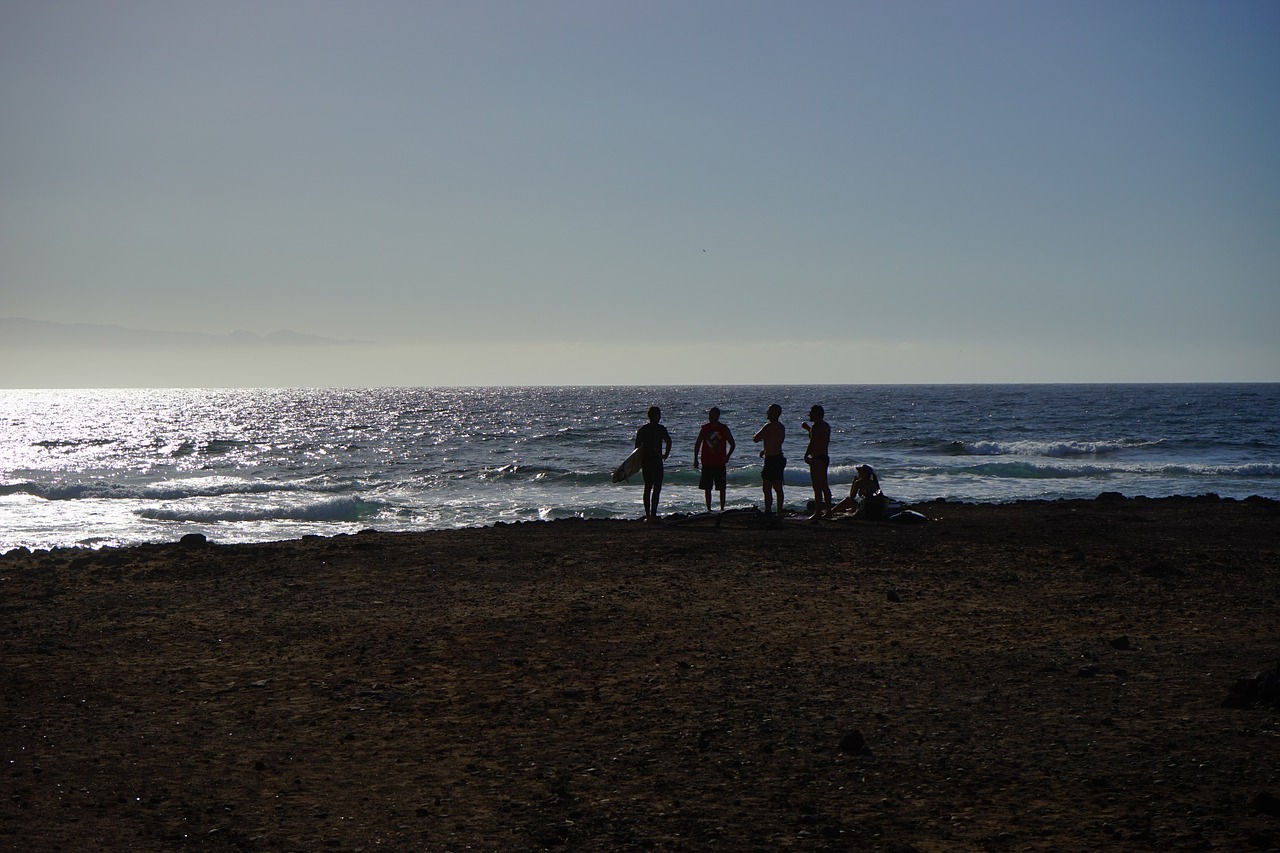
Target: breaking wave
1034, 471
333, 509
1031, 471
1051, 449
199, 487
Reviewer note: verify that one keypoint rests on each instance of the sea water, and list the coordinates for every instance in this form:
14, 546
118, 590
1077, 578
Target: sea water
115, 467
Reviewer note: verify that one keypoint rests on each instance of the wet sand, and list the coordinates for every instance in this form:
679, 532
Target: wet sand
1035, 676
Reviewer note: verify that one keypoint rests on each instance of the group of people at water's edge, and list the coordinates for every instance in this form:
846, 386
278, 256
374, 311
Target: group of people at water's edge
715, 445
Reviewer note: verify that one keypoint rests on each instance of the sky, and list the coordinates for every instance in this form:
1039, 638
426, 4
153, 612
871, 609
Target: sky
594, 192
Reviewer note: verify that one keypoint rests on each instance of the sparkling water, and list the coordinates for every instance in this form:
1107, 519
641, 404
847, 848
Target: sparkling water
98, 467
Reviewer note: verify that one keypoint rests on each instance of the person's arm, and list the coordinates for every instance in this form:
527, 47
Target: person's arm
728, 434
666, 441
697, 449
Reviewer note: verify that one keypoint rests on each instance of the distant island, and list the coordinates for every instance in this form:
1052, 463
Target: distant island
36, 333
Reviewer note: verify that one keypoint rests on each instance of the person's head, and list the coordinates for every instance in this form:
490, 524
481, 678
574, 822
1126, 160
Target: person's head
713, 415
866, 472
775, 412
655, 414
816, 413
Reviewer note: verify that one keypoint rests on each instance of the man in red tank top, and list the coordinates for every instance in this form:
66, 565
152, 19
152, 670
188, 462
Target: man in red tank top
714, 446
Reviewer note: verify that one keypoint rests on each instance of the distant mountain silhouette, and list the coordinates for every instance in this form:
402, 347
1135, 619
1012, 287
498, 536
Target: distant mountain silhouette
25, 332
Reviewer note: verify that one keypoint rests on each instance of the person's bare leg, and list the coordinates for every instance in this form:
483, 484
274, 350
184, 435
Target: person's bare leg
821, 495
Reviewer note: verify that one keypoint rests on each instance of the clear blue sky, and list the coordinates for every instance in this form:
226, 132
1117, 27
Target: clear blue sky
667, 192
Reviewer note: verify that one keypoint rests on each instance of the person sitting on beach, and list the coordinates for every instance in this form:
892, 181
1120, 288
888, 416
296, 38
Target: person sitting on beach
865, 498
817, 457
655, 444
714, 445
771, 435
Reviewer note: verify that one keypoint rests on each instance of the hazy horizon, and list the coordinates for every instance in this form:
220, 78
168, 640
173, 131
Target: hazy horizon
675, 193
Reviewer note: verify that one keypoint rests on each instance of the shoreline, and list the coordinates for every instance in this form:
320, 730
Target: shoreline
675, 518
1036, 675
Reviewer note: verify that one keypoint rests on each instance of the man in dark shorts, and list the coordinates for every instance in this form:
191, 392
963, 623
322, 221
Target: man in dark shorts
655, 444
715, 445
771, 436
818, 457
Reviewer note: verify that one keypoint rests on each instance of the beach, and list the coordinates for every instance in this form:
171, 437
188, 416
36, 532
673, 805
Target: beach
1039, 675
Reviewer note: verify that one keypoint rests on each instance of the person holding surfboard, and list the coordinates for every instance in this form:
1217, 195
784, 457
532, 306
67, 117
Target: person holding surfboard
818, 458
771, 436
715, 445
654, 443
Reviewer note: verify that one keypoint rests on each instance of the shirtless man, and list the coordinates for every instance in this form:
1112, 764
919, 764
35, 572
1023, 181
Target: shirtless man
818, 458
771, 436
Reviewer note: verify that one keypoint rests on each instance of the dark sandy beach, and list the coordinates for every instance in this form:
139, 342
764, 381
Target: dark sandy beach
1035, 676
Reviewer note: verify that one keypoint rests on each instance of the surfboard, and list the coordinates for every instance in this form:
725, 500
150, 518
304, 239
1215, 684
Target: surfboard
629, 466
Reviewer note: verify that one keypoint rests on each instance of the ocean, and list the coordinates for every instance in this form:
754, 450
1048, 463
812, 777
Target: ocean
116, 467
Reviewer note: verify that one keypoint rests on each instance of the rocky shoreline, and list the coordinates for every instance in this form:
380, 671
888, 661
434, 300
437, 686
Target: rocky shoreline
1084, 675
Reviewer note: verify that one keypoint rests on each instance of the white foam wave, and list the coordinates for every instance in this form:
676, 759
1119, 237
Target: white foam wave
1262, 470
178, 489
1054, 449
332, 509
1031, 471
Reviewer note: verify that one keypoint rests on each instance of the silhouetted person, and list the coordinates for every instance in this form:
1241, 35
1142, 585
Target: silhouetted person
818, 457
715, 445
771, 436
655, 445
865, 497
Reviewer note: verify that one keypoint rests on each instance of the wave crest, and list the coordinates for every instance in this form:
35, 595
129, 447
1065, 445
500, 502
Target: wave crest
195, 487
333, 509
1050, 449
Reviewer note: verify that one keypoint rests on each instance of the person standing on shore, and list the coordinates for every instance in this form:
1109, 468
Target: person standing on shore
715, 445
771, 436
817, 456
655, 445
